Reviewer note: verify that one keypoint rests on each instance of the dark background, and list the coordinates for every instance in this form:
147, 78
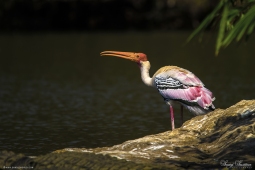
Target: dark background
56, 91
98, 15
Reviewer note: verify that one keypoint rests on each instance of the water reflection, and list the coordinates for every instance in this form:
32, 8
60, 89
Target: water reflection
57, 92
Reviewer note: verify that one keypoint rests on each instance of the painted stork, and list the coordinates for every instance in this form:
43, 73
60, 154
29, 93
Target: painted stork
175, 84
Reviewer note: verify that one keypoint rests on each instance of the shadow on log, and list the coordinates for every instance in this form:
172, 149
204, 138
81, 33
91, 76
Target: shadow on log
220, 139
67, 161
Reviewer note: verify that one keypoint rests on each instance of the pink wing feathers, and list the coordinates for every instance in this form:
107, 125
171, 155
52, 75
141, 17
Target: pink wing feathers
181, 85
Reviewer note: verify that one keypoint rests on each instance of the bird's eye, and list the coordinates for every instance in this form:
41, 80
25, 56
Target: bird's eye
137, 56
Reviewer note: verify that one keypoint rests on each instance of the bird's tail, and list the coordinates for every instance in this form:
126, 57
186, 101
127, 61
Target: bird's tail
205, 99
203, 102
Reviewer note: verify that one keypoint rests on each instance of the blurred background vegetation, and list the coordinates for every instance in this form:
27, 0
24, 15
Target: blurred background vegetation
235, 20
232, 19
101, 15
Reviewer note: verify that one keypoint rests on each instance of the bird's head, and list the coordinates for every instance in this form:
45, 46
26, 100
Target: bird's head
136, 57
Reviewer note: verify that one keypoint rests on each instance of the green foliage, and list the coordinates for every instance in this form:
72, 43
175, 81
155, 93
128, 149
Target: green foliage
235, 19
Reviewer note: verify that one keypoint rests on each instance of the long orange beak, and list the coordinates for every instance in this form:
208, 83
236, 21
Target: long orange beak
126, 55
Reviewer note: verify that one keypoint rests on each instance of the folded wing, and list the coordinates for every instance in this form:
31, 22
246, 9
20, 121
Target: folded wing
183, 86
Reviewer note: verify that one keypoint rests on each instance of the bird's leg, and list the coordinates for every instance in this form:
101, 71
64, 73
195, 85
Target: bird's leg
172, 116
181, 114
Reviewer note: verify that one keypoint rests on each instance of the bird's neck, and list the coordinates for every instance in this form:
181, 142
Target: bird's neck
145, 67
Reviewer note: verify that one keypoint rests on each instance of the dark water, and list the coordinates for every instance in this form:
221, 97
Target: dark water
57, 92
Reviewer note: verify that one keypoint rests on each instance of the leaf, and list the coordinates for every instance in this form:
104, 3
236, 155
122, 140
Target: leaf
233, 13
240, 27
243, 30
206, 21
230, 36
251, 28
222, 29
235, 22
250, 16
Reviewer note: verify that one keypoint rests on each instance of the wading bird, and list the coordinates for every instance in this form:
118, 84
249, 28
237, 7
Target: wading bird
175, 84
